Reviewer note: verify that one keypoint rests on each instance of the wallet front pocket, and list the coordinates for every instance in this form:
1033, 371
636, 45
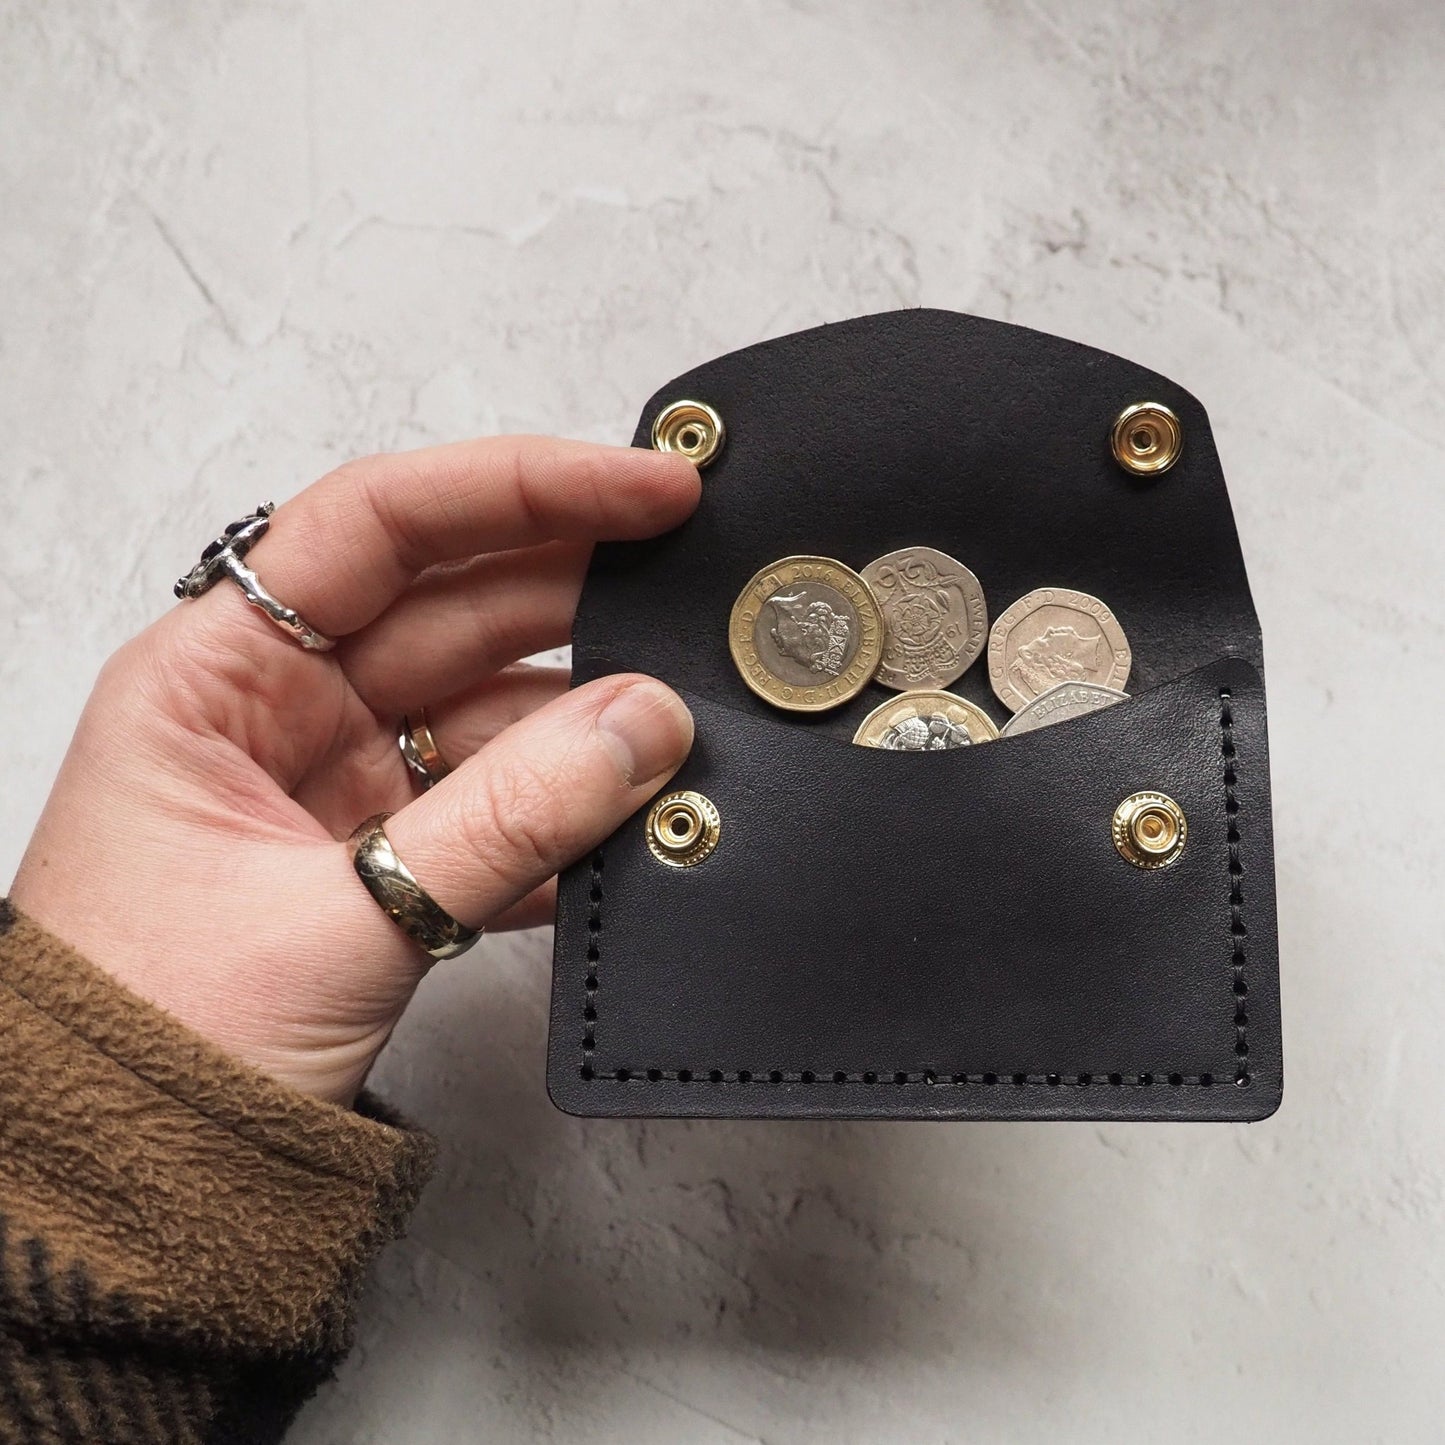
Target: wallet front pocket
940, 935
954, 934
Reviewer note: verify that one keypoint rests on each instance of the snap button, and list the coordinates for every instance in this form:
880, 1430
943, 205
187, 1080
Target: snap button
682, 829
692, 428
1146, 438
1150, 830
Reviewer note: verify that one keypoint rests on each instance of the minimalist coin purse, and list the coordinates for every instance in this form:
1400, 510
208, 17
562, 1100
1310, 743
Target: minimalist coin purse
953, 934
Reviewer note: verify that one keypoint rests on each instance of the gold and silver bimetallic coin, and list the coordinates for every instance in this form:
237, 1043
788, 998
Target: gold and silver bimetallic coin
935, 620
1059, 704
806, 634
1053, 635
926, 721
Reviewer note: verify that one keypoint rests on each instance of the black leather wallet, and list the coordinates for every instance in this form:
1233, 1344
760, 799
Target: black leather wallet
892, 935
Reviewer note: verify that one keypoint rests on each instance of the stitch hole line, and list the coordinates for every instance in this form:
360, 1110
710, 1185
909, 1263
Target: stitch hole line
1229, 759
899, 1078
872, 1078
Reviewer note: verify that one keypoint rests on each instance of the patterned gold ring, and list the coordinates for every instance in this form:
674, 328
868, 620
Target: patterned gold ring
396, 891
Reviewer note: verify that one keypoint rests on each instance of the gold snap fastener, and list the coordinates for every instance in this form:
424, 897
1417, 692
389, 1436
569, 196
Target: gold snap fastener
1146, 438
1150, 830
692, 428
682, 829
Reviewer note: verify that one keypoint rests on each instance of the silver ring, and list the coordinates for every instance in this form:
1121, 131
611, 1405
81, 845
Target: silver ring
420, 750
223, 559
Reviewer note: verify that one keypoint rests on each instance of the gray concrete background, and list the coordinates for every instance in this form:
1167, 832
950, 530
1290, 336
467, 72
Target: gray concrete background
242, 241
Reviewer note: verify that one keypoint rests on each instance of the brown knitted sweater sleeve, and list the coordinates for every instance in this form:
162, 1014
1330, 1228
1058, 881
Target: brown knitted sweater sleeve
181, 1239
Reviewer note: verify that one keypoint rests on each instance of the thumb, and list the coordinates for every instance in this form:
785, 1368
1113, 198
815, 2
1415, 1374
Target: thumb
542, 794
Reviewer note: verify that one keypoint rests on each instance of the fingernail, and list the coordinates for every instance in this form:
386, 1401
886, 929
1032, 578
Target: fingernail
647, 728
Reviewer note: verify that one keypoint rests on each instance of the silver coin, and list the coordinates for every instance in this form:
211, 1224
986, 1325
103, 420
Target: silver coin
1053, 635
934, 617
1059, 704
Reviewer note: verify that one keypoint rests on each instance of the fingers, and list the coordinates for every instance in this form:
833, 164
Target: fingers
465, 724
542, 794
342, 550
363, 773
463, 622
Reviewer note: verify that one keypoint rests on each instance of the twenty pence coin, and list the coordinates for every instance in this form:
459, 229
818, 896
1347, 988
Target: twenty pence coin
1053, 635
806, 634
925, 722
1059, 704
935, 620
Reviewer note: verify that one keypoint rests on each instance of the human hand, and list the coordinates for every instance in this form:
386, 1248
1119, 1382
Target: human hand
193, 844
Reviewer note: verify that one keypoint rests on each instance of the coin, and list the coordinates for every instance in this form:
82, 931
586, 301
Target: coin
935, 621
925, 722
1059, 704
806, 634
1053, 635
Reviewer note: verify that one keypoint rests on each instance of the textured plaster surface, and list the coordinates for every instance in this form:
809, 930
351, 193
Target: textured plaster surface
242, 241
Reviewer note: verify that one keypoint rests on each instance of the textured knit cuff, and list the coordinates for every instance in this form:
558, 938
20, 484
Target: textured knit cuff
197, 1197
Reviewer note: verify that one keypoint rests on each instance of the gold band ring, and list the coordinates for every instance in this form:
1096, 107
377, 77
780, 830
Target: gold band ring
401, 897
420, 750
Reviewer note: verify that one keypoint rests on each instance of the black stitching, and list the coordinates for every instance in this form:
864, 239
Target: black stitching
901, 1079
928, 1080
594, 955
1238, 933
